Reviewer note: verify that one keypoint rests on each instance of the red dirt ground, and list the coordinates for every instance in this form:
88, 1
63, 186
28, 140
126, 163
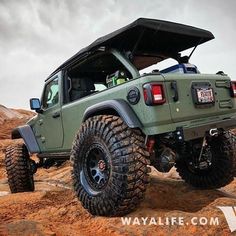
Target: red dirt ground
54, 210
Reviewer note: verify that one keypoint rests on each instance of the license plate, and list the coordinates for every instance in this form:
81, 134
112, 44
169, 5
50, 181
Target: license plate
205, 95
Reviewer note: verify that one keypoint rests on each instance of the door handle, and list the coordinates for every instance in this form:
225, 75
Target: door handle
56, 114
173, 86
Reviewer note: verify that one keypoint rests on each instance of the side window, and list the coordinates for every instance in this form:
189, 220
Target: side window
98, 72
51, 96
81, 87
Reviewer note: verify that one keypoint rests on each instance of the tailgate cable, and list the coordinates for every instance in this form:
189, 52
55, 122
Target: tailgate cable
212, 132
204, 143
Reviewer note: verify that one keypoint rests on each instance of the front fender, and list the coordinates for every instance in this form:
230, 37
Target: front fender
28, 136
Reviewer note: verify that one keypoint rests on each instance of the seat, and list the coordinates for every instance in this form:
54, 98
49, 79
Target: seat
81, 87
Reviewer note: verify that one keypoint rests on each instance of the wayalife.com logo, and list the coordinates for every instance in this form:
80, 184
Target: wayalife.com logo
230, 216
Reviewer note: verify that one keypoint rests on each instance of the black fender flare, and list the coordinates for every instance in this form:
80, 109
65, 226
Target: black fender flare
119, 106
28, 136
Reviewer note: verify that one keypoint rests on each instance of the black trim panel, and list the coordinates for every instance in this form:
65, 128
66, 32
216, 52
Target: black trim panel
119, 106
27, 134
197, 132
55, 155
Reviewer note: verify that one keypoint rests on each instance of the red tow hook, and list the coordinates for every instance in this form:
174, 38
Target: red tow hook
150, 144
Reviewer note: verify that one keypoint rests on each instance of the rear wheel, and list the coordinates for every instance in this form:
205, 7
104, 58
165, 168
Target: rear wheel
110, 171
216, 167
19, 169
233, 136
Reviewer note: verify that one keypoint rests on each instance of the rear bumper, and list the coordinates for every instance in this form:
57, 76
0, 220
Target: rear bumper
199, 131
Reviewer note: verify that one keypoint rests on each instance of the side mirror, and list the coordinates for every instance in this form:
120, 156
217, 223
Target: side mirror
35, 104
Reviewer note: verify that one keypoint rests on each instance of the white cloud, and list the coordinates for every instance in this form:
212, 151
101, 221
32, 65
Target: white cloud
36, 36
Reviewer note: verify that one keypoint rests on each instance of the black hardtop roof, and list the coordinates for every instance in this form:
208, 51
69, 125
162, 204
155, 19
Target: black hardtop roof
149, 37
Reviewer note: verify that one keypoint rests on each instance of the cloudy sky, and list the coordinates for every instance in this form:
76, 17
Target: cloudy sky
36, 36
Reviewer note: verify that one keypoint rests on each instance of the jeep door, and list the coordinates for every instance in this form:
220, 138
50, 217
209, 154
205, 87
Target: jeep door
49, 124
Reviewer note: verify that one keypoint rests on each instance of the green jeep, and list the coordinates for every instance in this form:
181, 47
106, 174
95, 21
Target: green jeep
113, 122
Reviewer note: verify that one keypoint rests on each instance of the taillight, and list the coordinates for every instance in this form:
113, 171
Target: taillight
233, 89
153, 94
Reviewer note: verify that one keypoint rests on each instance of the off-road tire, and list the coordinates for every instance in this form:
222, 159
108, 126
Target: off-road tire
127, 158
222, 171
233, 136
19, 174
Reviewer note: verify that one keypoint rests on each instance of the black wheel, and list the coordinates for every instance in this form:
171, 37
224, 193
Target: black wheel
110, 172
216, 167
19, 171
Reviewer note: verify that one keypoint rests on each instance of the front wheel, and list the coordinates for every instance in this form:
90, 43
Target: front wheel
19, 169
216, 168
110, 171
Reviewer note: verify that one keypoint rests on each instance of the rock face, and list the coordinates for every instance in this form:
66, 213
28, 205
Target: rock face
11, 118
10, 114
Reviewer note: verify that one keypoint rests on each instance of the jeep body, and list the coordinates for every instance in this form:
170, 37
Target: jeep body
55, 133
178, 109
